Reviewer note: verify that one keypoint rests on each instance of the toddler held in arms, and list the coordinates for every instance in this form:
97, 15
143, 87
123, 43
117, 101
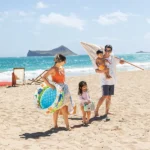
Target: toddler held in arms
101, 63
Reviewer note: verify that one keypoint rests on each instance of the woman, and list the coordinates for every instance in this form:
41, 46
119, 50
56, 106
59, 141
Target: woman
57, 74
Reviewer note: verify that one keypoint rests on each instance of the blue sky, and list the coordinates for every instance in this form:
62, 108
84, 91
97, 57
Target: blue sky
47, 24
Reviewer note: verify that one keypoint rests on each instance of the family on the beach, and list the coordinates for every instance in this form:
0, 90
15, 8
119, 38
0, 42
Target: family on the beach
106, 67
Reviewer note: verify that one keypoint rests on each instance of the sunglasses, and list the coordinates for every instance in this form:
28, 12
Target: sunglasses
108, 51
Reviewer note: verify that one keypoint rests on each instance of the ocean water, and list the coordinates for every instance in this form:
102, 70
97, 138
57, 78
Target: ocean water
76, 65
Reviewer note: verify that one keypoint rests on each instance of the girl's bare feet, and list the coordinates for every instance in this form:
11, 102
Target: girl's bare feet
68, 129
87, 122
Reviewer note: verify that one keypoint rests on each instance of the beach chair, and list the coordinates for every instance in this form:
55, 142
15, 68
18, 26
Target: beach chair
18, 76
38, 79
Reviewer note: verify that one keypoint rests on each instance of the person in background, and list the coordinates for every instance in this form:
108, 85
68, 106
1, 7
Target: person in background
13, 79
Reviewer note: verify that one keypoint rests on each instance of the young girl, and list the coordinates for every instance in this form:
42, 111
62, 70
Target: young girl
57, 74
84, 100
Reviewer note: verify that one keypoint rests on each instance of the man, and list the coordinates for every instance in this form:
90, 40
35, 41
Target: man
108, 84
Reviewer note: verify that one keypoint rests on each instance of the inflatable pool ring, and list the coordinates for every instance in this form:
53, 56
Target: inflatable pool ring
48, 98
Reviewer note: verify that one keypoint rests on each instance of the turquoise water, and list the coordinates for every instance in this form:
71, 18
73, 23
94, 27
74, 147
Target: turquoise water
75, 64
35, 63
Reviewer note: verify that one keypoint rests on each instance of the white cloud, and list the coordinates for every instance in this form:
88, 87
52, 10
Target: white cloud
41, 5
147, 35
148, 20
113, 18
70, 21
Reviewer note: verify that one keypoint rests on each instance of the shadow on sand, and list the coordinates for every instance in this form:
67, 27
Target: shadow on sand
37, 135
100, 118
75, 118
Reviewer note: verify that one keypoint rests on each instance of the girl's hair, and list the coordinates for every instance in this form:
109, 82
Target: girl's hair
59, 58
81, 84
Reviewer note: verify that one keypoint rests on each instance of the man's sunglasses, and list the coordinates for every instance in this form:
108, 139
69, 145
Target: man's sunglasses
108, 51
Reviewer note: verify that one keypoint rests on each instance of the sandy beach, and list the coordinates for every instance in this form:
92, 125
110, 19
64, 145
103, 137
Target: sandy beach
24, 127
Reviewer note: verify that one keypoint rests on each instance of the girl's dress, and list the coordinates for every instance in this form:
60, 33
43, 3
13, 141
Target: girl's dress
84, 98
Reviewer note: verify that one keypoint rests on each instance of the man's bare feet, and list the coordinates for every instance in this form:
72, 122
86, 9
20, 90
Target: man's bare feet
110, 113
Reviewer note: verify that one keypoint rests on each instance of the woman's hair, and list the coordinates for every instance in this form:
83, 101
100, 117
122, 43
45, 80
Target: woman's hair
81, 84
59, 58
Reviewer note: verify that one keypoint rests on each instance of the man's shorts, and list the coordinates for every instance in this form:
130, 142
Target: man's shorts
107, 90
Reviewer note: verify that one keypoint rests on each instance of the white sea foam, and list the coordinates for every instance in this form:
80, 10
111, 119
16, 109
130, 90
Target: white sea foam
6, 76
128, 67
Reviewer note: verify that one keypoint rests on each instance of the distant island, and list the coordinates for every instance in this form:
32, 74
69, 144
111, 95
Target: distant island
59, 50
142, 52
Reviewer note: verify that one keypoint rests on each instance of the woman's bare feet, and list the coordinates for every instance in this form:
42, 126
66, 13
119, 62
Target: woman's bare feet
56, 126
47, 112
96, 113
